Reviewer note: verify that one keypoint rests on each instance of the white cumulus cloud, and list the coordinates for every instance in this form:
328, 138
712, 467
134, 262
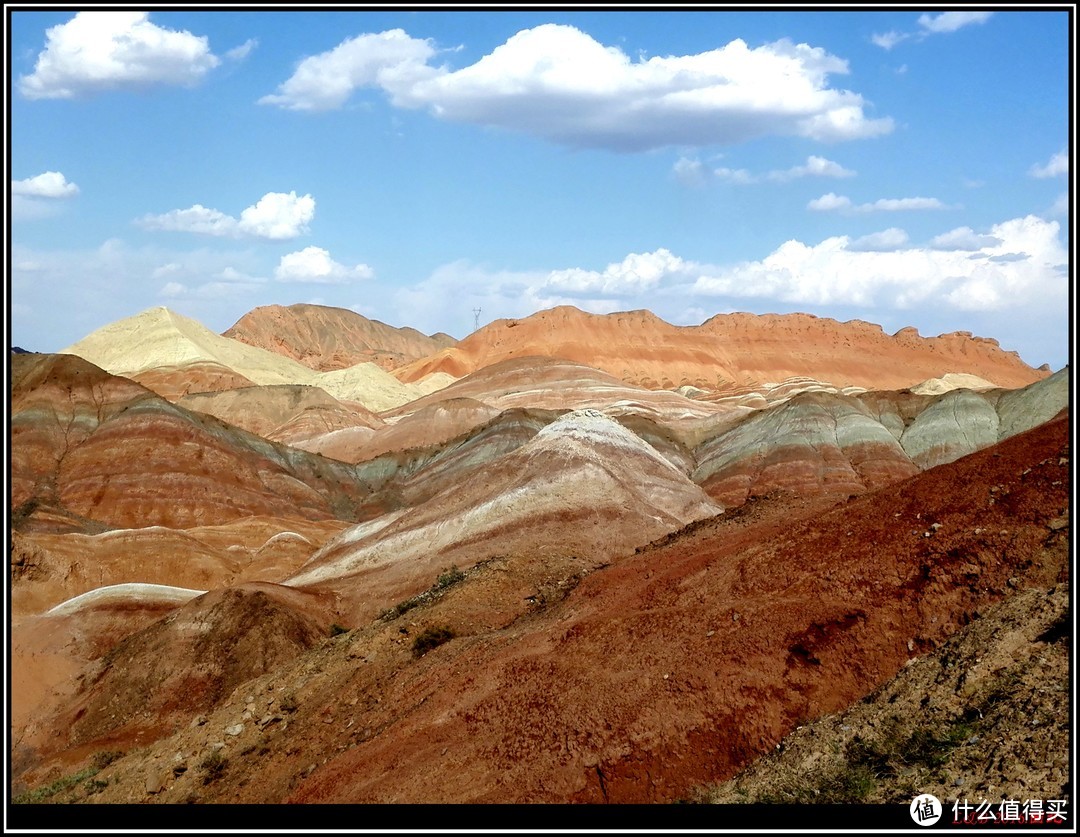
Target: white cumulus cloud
104, 50
637, 272
557, 82
276, 215
392, 60
829, 202
313, 264
50, 184
1025, 261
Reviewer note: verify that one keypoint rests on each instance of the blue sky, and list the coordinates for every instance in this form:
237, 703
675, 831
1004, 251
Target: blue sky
900, 167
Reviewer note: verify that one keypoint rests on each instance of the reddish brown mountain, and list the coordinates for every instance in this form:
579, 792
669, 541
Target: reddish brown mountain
669, 668
325, 338
731, 351
102, 451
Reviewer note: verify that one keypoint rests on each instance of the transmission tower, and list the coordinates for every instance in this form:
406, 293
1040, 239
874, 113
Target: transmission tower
476, 319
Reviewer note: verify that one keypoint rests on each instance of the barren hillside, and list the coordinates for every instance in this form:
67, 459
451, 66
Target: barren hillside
731, 351
332, 338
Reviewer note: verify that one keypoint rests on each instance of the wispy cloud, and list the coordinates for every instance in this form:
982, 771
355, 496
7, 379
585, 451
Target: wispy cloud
887, 40
239, 53
832, 202
951, 21
1057, 165
693, 172
939, 24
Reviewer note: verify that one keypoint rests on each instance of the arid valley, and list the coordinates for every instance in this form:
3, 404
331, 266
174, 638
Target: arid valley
571, 558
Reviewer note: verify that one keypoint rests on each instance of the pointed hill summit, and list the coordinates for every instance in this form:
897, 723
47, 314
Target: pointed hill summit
326, 338
162, 339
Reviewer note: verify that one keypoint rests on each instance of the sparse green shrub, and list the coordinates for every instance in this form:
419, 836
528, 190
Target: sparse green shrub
48, 791
288, 702
93, 785
449, 577
338, 630
431, 638
213, 766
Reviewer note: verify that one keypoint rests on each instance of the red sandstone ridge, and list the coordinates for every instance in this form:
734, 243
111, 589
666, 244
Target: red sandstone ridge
730, 350
325, 338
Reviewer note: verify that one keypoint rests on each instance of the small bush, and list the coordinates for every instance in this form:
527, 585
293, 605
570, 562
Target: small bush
449, 577
431, 638
104, 758
338, 630
213, 766
288, 702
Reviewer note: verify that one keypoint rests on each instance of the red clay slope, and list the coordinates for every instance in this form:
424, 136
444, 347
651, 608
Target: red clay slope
730, 351
325, 338
676, 666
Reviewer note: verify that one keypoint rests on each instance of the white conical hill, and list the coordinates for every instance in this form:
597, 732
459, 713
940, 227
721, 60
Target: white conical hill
159, 337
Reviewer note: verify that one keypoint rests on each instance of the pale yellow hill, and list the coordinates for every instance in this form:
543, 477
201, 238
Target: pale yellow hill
950, 381
159, 337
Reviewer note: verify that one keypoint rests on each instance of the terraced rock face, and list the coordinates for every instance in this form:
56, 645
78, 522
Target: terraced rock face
174, 382
105, 452
288, 414
1022, 409
816, 442
325, 338
957, 424
826, 442
50, 568
731, 351
583, 485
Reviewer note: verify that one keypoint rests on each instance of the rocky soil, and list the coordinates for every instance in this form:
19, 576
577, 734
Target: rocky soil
662, 672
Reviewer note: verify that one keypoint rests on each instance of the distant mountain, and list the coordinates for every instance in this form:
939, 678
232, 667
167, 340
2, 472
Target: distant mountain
731, 351
15, 350
326, 338
161, 340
